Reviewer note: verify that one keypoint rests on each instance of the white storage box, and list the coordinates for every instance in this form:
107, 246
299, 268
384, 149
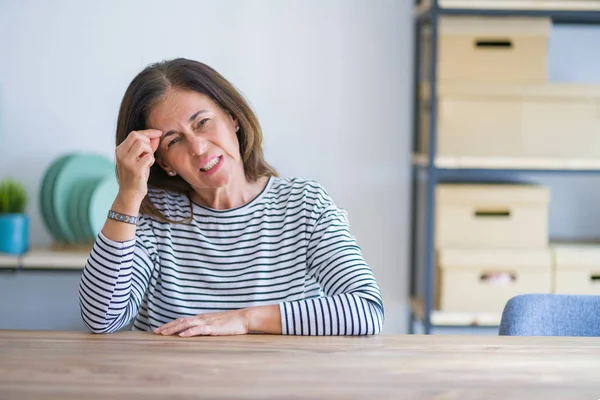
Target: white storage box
491, 216
484, 280
577, 269
490, 49
516, 121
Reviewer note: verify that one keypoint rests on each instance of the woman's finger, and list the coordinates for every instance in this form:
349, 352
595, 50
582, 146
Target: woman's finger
168, 325
147, 160
139, 149
154, 142
176, 326
198, 330
144, 136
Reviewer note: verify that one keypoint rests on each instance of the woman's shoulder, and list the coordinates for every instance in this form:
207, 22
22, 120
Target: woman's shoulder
172, 205
297, 185
294, 189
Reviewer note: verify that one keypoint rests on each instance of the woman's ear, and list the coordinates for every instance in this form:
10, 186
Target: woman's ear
163, 165
236, 124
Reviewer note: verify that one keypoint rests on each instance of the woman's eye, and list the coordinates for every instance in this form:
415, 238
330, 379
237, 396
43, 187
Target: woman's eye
201, 123
172, 142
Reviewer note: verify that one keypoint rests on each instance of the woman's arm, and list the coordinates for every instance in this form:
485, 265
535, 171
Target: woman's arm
117, 273
119, 267
258, 319
353, 304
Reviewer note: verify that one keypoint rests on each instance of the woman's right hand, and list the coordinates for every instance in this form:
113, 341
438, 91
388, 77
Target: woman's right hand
135, 156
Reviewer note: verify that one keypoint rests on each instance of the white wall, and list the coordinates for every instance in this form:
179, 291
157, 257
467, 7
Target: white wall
330, 81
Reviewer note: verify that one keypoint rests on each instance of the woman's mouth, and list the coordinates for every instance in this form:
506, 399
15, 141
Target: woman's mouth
210, 165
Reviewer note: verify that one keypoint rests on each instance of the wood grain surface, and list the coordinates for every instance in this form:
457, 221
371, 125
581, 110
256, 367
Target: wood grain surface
132, 365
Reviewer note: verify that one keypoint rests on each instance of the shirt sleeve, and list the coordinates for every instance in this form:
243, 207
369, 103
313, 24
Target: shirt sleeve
115, 279
353, 303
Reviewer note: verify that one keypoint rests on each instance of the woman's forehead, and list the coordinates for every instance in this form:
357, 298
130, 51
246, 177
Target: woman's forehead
178, 106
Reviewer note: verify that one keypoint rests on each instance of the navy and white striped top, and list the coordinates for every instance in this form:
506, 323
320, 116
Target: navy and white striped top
290, 246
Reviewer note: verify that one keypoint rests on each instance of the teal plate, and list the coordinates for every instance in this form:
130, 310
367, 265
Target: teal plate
74, 200
79, 167
45, 197
78, 201
84, 208
102, 198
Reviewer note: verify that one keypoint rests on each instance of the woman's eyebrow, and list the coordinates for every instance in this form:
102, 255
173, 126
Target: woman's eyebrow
192, 118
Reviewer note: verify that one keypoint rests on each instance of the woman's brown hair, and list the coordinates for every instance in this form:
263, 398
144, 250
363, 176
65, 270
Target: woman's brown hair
147, 89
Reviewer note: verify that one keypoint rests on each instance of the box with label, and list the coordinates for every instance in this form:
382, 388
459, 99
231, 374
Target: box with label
491, 216
576, 268
497, 49
543, 121
484, 280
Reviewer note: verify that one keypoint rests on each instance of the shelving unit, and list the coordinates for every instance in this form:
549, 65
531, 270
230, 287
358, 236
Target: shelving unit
429, 169
455, 319
45, 259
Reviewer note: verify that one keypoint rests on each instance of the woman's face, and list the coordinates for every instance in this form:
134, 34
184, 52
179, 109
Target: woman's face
199, 139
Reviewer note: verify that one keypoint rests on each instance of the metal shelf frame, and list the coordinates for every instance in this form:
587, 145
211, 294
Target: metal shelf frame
426, 173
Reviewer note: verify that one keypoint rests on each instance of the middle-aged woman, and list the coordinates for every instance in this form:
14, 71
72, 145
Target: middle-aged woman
204, 238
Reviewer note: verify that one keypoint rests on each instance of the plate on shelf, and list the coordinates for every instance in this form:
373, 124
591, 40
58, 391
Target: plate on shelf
77, 168
101, 200
45, 197
83, 209
74, 200
78, 204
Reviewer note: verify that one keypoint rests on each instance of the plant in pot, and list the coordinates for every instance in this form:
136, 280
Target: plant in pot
14, 224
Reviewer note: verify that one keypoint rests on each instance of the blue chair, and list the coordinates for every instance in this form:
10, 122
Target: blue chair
551, 315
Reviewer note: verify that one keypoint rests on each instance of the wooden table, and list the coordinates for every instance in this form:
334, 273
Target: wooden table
129, 365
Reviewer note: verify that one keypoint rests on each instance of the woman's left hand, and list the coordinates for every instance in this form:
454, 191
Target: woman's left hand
234, 322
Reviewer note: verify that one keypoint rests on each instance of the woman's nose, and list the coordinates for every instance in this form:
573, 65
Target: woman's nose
198, 146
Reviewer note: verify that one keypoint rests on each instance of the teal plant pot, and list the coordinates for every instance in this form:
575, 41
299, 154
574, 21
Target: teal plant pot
14, 233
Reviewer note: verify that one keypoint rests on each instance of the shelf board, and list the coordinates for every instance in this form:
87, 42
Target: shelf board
455, 319
532, 5
46, 259
54, 259
510, 163
8, 261
569, 11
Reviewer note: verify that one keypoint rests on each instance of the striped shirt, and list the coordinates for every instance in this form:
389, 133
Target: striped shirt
289, 246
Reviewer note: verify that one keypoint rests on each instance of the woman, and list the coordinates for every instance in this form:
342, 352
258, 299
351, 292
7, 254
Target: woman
203, 238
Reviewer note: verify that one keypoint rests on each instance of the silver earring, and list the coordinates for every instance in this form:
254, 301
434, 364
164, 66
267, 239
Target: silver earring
172, 173
237, 128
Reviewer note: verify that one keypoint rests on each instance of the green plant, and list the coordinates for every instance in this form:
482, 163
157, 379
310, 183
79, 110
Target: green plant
13, 197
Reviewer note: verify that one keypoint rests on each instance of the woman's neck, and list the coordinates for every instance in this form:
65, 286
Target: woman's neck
236, 194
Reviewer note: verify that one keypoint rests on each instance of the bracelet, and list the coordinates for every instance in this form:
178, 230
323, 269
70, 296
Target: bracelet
122, 217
